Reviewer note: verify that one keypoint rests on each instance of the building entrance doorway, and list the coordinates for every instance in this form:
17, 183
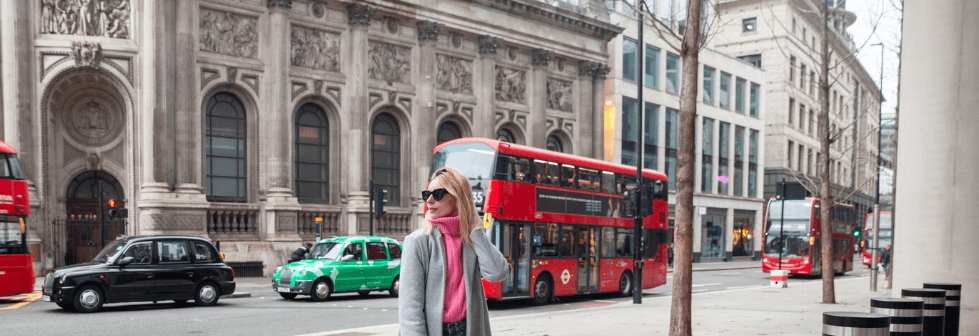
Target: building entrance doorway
87, 226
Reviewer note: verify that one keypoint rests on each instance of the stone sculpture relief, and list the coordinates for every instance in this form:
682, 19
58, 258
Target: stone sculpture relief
95, 121
86, 53
315, 49
389, 63
228, 33
454, 75
559, 95
108, 18
510, 85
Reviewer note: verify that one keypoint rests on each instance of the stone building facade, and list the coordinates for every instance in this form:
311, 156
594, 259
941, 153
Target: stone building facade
784, 38
246, 120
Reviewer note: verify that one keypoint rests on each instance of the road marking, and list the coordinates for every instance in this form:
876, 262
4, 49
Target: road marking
699, 290
28, 298
744, 287
710, 284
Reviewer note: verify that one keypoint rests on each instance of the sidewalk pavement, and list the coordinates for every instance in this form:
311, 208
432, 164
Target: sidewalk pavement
796, 310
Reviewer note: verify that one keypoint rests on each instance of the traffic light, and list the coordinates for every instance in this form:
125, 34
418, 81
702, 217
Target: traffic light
113, 212
648, 192
629, 204
379, 201
856, 233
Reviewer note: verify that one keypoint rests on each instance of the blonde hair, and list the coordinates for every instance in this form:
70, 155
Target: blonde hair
458, 186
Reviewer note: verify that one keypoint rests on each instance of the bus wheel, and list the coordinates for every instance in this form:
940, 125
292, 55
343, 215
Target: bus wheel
543, 290
625, 284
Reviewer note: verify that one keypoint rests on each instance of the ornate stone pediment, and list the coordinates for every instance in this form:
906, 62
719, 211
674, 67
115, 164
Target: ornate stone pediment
86, 53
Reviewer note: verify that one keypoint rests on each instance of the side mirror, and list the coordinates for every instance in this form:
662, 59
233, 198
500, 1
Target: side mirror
348, 257
125, 261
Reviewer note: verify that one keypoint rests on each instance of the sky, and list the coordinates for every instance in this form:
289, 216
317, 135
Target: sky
878, 21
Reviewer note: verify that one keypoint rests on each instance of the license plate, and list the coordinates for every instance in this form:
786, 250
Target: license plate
283, 289
47, 298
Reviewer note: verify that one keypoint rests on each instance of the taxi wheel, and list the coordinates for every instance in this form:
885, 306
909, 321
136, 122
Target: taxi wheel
542, 290
89, 299
321, 290
288, 296
207, 294
625, 284
396, 287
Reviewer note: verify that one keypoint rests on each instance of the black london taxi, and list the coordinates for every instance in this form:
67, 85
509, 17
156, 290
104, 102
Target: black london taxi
143, 268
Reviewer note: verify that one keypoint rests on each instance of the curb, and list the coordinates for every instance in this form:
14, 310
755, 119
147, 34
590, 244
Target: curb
236, 295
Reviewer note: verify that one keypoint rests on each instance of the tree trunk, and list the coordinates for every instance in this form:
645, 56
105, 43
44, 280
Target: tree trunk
826, 197
680, 312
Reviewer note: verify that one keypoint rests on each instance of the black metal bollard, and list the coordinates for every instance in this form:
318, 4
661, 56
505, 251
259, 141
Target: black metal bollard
854, 323
905, 314
953, 294
933, 323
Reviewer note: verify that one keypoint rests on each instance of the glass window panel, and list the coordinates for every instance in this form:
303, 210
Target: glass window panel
708, 85
629, 59
224, 186
672, 73
739, 95
310, 153
224, 167
753, 109
224, 146
652, 66
725, 95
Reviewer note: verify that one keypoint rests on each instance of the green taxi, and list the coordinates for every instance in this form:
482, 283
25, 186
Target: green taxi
342, 264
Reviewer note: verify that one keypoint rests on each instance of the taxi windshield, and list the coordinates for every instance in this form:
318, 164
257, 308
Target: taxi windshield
329, 250
109, 251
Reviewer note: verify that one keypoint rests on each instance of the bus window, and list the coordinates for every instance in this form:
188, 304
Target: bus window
552, 174
540, 172
545, 240
568, 243
4, 168
623, 242
625, 182
660, 191
521, 170
588, 179
503, 171
608, 182
568, 176
608, 242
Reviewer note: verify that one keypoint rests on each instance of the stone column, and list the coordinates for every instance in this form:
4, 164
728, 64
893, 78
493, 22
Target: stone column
15, 55
150, 105
586, 109
276, 119
598, 92
729, 235
188, 125
423, 121
484, 120
356, 150
537, 125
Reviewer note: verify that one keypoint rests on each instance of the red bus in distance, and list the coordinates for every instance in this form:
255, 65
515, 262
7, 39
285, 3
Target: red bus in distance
884, 232
797, 240
16, 264
558, 219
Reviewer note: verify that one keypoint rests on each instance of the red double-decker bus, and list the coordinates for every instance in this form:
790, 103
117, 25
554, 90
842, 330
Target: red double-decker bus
884, 231
16, 265
796, 236
559, 219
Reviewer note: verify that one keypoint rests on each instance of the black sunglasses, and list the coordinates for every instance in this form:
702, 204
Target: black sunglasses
438, 193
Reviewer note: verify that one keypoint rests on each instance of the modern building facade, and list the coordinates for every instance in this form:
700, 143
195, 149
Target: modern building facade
730, 131
253, 122
784, 38
934, 231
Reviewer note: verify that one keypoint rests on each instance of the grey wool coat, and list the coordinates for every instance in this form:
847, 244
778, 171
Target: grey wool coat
421, 302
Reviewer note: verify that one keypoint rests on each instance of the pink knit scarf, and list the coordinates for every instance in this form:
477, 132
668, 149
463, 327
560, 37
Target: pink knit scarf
455, 286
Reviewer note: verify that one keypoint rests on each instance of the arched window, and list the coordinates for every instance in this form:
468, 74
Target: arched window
225, 149
448, 131
386, 156
505, 135
554, 144
312, 155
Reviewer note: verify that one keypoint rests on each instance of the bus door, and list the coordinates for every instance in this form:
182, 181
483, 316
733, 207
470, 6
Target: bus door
587, 260
516, 250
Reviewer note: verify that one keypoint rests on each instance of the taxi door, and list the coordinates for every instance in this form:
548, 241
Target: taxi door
377, 265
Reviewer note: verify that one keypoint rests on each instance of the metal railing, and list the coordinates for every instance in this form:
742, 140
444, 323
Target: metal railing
80, 240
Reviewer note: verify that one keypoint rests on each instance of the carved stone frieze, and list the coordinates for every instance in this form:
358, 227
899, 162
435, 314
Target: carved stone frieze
315, 49
559, 95
389, 63
286, 222
511, 85
116, 154
454, 75
94, 121
228, 33
429, 30
188, 222
280, 4
86, 53
71, 153
360, 15
540, 57
106, 18
489, 44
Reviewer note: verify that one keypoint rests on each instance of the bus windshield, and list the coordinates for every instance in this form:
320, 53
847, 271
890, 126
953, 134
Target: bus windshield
10, 167
474, 160
794, 246
325, 251
10, 239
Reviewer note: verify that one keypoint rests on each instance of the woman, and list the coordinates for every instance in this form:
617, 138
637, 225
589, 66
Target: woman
442, 263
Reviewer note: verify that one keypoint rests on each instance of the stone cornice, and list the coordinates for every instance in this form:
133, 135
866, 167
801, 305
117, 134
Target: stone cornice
360, 15
541, 12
